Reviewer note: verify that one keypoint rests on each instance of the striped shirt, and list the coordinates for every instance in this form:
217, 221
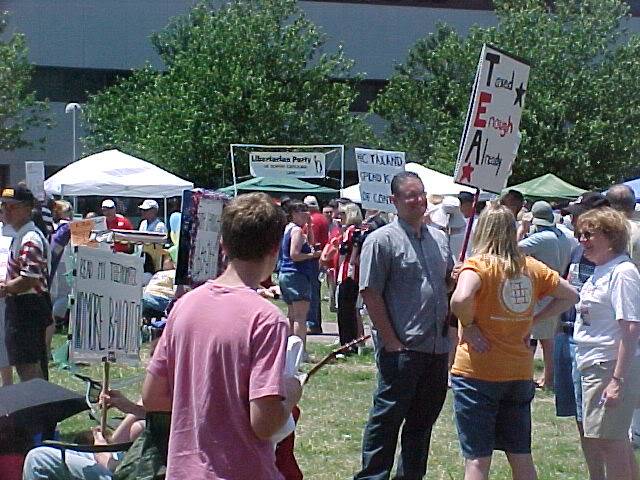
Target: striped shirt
29, 257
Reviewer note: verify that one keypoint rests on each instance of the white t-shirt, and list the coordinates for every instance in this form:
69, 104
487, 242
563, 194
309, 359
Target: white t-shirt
610, 295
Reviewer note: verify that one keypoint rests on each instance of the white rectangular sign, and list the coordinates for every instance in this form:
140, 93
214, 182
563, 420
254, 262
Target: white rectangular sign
206, 244
34, 175
376, 169
107, 310
491, 135
287, 164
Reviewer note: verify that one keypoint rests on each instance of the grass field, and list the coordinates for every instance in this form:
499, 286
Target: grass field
334, 410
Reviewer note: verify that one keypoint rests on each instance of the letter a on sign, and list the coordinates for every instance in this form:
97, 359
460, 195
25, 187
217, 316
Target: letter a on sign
488, 149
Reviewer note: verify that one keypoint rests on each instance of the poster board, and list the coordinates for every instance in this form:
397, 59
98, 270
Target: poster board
491, 135
34, 176
81, 231
376, 169
199, 245
106, 313
287, 164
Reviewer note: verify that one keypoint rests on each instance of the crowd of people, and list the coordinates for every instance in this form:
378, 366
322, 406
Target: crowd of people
448, 309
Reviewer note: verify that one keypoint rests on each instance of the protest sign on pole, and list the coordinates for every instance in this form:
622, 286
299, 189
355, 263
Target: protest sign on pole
199, 245
491, 135
376, 169
34, 176
287, 164
106, 313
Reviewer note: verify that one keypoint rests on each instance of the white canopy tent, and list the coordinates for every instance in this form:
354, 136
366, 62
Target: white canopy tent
435, 183
113, 172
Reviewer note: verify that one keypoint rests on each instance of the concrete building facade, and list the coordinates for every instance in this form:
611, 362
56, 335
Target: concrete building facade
81, 46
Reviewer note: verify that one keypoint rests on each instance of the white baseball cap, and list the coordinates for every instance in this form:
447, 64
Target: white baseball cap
148, 204
108, 203
311, 201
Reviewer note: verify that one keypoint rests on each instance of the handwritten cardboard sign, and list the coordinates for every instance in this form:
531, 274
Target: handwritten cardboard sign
376, 169
287, 164
107, 309
491, 135
81, 231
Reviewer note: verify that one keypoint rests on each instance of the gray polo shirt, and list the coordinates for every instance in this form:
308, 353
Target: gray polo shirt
410, 273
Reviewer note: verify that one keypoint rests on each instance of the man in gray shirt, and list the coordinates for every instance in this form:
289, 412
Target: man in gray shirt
549, 245
404, 271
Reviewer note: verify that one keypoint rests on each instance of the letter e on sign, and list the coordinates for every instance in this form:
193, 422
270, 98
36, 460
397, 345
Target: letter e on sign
484, 98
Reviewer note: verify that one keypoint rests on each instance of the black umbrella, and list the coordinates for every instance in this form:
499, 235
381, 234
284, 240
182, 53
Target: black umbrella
34, 406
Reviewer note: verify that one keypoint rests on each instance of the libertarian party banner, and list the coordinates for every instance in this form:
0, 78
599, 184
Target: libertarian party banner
107, 308
491, 135
287, 164
199, 244
376, 169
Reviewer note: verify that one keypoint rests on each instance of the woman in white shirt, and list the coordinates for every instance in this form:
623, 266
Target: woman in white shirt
606, 333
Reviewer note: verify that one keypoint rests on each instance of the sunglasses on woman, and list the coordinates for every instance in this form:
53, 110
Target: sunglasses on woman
586, 234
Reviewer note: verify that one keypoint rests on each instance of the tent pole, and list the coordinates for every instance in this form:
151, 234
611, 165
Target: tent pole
233, 172
165, 212
341, 169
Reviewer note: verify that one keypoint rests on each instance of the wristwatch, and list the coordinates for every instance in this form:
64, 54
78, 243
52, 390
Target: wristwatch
619, 380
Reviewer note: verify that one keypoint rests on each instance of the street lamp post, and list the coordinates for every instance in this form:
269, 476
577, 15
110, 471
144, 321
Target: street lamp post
72, 108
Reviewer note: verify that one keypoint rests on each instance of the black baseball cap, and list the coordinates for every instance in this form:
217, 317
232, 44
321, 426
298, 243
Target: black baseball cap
20, 194
587, 201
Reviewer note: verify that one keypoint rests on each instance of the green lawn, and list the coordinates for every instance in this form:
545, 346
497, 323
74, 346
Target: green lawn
335, 407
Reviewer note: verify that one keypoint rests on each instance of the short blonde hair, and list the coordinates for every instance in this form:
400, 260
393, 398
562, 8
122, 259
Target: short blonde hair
610, 222
352, 214
62, 208
494, 240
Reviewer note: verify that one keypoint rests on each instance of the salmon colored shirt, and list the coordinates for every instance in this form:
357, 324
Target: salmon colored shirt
504, 314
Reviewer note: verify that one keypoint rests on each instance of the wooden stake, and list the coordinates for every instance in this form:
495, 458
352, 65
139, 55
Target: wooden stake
105, 390
467, 234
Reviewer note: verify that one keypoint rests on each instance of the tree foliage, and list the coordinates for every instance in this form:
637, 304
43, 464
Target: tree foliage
581, 118
19, 109
252, 71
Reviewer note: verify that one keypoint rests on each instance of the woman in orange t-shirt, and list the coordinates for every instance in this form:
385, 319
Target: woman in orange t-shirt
492, 373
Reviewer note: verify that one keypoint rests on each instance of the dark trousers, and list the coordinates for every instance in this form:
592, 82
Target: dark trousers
314, 319
412, 387
347, 315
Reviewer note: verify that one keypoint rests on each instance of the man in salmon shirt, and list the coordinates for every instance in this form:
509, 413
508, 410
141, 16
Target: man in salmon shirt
219, 365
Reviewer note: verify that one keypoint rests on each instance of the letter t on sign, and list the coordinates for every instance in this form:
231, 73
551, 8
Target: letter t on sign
493, 59
484, 98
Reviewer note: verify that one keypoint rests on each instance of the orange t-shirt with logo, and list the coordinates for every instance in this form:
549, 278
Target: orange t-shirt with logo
504, 314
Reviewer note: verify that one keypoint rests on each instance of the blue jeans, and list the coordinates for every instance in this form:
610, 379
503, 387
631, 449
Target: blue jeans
412, 387
563, 380
492, 415
314, 319
153, 306
46, 463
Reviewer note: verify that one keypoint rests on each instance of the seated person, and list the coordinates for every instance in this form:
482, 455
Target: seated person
46, 462
160, 290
